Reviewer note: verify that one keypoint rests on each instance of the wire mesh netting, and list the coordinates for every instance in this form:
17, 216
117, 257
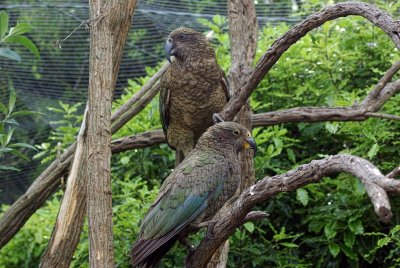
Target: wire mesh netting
61, 73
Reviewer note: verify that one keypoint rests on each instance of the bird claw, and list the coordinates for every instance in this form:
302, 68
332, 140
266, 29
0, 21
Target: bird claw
217, 118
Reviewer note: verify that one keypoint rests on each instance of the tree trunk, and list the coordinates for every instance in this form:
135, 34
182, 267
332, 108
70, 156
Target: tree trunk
243, 32
65, 236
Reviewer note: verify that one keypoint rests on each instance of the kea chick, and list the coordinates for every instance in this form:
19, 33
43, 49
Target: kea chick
193, 88
196, 189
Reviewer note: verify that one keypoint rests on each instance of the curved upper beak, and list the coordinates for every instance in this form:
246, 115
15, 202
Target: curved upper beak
251, 143
169, 45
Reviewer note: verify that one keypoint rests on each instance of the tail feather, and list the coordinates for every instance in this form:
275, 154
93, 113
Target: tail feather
147, 253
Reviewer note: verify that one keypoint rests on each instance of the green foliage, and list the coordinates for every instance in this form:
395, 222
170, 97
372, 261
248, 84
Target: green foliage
15, 36
327, 224
25, 249
8, 124
65, 132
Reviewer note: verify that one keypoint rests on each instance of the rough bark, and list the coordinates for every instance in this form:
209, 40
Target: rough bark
99, 201
270, 186
70, 218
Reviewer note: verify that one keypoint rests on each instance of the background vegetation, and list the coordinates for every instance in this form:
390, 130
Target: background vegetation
329, 224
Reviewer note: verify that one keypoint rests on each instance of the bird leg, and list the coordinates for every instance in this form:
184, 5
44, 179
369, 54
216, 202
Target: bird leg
217, 118
210, 226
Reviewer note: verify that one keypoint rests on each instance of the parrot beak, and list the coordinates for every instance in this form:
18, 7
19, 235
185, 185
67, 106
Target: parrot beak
250, 143
169, 45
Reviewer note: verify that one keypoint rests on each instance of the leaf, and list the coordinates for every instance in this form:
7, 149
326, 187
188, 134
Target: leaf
383, 241
19, 113
289, 245
8, 53
330, 230
3, 24
6, 150
334, 249
12, 121
9, 168
291, 155
11, 101
349, 239
349, 252
21, 155
373, 151
3, 109
25, 41
332, 127
249, 226
302, 196
19, 29
356, 226
9, 136
21, 144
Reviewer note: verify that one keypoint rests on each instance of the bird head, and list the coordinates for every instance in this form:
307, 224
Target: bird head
185, 42
229, 135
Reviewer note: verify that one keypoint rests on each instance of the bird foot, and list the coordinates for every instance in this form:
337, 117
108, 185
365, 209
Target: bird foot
217, 118
210, 227
186, 242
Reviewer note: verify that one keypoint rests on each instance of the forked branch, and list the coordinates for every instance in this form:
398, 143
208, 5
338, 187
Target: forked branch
290, 181
376, 16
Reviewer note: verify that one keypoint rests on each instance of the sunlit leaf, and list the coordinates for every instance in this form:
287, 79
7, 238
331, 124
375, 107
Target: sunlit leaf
25, 145
8, 168
24, 41
3, 24
249, 226
302, 196
19, 29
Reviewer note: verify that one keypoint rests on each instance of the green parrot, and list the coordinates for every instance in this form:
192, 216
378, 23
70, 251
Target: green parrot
196, 189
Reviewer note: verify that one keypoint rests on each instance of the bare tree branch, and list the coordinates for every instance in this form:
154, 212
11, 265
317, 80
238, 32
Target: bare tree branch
394, 173
141, 140
376, 16
69, 223
290, 181
143, 91
361, 112
137, 107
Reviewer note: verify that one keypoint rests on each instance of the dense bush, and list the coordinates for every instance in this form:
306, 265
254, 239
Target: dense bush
328, 224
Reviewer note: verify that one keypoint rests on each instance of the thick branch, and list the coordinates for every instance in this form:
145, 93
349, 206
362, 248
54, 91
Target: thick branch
290, 181
376, 16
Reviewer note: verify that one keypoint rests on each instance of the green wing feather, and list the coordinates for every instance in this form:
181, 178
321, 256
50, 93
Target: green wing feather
198, 181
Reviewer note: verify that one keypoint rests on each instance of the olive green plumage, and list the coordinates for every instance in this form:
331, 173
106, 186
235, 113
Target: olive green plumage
193, 192
193, 88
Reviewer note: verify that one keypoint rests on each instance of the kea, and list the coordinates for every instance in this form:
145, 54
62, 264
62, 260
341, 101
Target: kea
193, 88
193, 193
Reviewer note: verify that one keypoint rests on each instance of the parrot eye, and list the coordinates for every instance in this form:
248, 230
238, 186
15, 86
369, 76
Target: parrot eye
182, 36
236, 132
